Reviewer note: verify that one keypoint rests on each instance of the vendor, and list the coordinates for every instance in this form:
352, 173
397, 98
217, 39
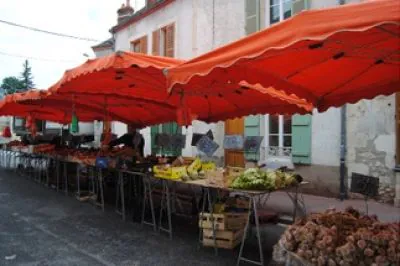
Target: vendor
132, 139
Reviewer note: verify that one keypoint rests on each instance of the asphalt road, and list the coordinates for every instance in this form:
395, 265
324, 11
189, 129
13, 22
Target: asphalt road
39, 226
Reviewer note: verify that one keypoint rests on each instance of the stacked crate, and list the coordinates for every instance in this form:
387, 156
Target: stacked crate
229, 229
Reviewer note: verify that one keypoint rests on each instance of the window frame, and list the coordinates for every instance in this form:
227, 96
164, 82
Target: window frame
281, 5
139, 41
281, 132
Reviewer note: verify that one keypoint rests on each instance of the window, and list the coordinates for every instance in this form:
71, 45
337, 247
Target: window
280, 131
139, 45
252, 9
163, 44
279, 10
164, 41
282, 9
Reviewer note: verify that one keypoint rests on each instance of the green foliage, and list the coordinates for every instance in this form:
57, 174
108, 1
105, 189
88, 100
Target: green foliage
11, 85
26, 76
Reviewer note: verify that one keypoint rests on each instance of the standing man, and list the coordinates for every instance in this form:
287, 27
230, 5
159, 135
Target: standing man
132, 139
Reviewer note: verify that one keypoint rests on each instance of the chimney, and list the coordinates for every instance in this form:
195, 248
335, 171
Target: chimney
125, 11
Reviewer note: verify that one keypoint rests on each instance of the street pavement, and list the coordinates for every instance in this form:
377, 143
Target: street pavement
39, 227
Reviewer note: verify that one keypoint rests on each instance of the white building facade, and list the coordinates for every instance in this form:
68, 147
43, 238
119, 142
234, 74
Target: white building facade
187, 28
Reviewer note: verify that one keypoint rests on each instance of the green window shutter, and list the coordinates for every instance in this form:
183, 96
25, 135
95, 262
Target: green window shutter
252, 9
172, 129
154, 131
252, 128
301, 139
298, 6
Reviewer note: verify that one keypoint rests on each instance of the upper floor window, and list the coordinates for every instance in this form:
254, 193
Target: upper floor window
164, 41
282, 9
279, 10
139, 45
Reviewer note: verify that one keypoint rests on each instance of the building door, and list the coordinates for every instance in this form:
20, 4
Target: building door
234, 127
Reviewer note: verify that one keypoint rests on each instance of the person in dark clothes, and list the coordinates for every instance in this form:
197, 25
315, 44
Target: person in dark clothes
132, 139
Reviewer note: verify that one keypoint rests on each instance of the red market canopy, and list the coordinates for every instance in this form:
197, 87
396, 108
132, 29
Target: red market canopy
90, 107
130, 86
32, 103
136, 75
328, 57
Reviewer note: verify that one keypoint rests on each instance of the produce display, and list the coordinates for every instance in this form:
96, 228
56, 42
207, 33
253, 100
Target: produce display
184, 168
257, 179
15, 143
344, 238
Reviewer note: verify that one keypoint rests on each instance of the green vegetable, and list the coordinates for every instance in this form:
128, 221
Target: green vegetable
256, 179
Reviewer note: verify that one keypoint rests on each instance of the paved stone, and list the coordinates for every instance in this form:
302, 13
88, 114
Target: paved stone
42, 227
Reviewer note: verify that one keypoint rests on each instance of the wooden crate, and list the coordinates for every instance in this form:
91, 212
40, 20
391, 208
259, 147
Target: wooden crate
223, 239
223, 221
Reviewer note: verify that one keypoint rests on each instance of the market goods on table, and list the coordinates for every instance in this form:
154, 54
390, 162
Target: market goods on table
344, 238
183, 168
257, 179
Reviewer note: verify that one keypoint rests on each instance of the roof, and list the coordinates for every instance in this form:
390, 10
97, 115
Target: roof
140, 14
105, 44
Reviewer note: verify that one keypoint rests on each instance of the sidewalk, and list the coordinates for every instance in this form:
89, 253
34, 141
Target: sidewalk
280, 202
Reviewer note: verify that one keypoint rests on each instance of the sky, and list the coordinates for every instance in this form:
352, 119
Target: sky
83, 18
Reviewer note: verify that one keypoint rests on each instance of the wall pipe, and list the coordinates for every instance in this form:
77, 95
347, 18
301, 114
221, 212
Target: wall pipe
343, 144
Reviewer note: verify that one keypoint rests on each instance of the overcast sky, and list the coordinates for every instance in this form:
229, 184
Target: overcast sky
83, 18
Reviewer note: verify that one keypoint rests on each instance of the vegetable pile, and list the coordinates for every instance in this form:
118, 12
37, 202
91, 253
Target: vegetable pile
344, 238
257, 179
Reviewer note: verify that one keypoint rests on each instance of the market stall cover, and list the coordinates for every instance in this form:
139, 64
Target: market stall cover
131, 87
10, 105
328, 57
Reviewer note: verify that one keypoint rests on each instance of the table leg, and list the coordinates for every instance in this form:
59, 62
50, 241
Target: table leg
101, 188
65, 177
252, 208
166, 197
58, 174
121, 180
48, 163
203, 207
210, 209
78, 180
147, 195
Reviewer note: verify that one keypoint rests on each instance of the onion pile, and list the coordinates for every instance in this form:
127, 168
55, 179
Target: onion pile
344, 238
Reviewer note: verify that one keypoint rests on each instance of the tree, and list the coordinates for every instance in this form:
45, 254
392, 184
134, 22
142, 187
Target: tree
26, 77
11, 85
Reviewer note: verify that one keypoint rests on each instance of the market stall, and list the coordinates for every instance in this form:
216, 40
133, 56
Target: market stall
282, 69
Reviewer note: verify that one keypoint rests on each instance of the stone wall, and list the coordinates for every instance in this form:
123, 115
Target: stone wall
371, 139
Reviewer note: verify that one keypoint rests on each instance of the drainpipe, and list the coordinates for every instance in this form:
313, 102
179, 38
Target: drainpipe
343, 144
343, 149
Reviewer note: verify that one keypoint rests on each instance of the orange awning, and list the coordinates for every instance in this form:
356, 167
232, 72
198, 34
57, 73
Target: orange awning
34, 103
130, 86
328, 57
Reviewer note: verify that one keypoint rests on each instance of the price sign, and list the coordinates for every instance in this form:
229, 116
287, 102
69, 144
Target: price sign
178, 141
162, 140
366, 185
197, 136
253, 143
207, 145
233, 142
